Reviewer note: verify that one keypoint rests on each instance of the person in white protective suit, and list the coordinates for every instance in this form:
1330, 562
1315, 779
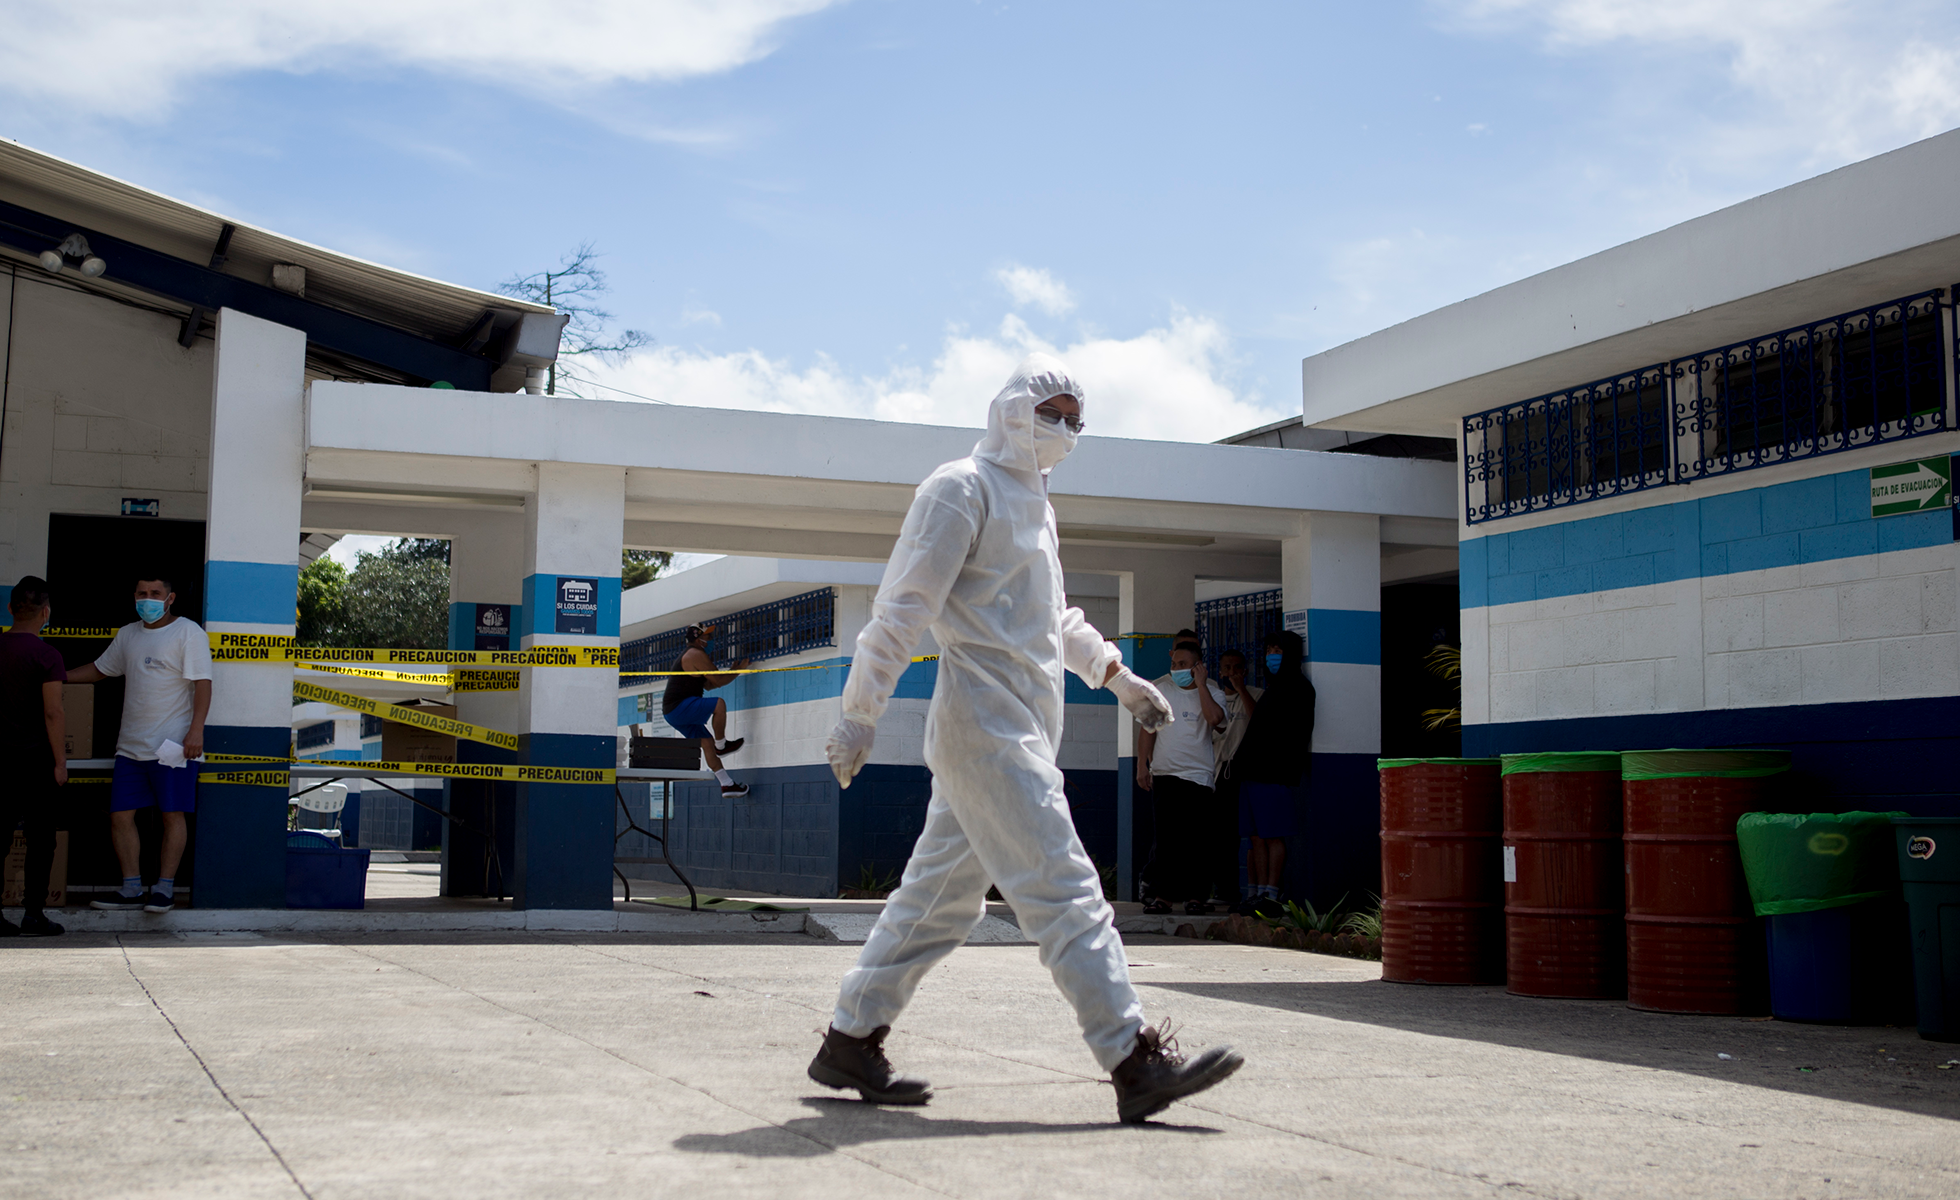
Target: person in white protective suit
976, 563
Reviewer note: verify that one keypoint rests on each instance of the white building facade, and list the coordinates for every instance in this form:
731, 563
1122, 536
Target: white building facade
1705, 484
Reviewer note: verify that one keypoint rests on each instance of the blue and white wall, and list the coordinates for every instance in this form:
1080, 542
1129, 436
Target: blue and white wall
796, 832
1722, 613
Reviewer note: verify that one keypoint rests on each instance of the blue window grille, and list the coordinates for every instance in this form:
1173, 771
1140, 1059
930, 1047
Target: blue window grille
312, 737
1239, 623
792, 626
1859, 378
1878, 374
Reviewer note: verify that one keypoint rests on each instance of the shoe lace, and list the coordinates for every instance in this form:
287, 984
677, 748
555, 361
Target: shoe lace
1162, 1047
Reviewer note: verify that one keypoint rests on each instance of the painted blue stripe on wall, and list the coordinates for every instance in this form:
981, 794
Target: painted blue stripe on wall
251, 593
791, 687
539, 615
1344, 635
1782, 525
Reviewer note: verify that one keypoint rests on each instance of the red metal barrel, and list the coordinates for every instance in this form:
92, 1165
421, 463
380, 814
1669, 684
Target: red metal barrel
1694, 944
1564, 893
1442, 891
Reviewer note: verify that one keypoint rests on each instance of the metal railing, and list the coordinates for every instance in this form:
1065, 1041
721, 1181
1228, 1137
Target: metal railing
1874, 375
1871, 375
1239, 623
784, 627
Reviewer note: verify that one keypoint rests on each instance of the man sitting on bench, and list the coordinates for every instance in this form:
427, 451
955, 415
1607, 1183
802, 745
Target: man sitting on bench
690, 710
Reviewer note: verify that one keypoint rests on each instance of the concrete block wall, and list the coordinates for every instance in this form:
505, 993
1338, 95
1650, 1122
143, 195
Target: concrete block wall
1778, 614
101, 403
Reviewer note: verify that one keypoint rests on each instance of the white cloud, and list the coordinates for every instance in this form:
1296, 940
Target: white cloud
135, 58
1037, 287
1840, 79
1170, 383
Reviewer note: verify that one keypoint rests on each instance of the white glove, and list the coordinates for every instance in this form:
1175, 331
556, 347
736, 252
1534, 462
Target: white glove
848, 747
1142, 698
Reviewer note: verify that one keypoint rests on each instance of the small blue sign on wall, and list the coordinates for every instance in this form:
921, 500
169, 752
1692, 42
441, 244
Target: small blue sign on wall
578, 604
493, 627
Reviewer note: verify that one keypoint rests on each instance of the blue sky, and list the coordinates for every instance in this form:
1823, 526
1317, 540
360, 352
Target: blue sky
874, 207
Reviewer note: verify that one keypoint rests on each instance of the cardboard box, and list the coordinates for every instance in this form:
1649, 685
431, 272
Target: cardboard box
13, 880
78, 709
406, 743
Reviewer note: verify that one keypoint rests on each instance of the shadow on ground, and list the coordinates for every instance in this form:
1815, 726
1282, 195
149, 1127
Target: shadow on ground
842, 1123
1877, 1065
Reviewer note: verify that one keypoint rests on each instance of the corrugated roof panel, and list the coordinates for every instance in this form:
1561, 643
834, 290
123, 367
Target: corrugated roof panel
430, 307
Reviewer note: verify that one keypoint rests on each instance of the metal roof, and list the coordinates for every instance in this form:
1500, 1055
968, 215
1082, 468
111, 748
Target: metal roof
415, 303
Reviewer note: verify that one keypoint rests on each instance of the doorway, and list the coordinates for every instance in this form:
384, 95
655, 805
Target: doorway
92, 568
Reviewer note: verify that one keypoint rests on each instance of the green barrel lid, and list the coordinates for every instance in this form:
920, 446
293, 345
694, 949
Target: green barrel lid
1578, 760
1385, 764
1703, 764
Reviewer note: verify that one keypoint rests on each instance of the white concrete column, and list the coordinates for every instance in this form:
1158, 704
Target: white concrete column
251, 585
1331, 580
574, 526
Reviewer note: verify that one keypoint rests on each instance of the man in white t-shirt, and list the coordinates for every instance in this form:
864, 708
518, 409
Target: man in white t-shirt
1175, 765
165, 661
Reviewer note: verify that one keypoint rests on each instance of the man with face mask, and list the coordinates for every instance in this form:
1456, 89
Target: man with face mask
976, 562
165, 660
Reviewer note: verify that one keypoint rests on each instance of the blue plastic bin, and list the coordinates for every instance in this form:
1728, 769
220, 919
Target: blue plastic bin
320, 874
1840, 966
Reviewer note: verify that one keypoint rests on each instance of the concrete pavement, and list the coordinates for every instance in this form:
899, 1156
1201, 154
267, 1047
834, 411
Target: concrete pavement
516, 1063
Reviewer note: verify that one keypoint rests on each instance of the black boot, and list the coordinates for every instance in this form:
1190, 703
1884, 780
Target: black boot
848, 1062
1155, 1074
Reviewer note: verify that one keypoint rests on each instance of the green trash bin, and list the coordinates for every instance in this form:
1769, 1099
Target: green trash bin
1929, 867
1827, 886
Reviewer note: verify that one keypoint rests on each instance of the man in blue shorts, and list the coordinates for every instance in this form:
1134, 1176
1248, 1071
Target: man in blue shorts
165, 661
690, 710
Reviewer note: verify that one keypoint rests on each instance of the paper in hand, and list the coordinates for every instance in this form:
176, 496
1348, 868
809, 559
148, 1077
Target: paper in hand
170, 754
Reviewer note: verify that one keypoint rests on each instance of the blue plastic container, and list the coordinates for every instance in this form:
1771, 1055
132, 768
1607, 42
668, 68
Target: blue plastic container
1840, 966
325, 877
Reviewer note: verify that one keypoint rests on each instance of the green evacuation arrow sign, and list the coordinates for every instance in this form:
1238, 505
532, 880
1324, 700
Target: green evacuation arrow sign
1912, 487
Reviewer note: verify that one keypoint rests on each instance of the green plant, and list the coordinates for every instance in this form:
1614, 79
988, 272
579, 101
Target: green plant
1365, 922
1108, 873
1445, 662
1301, 915
869, 880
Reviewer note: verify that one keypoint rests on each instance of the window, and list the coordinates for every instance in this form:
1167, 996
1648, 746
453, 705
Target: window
1859, 378
784, 627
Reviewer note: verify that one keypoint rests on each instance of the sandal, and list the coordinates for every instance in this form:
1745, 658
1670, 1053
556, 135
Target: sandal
1157, 906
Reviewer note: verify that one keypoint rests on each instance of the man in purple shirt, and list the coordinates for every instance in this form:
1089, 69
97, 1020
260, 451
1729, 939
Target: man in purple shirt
34, 745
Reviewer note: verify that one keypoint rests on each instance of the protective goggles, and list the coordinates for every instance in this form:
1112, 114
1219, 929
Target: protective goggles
1050, 416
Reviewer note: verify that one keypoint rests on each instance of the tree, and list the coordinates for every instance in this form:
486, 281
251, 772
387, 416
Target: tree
322, 603
398, 599
642, 566
570, 290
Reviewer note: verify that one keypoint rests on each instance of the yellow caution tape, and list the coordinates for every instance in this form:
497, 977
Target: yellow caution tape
514, 773
461, 680
275, 648
406, 716
77, 631
439, 681
485, 681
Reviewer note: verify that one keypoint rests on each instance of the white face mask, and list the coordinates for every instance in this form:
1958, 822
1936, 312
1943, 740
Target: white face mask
1051, 443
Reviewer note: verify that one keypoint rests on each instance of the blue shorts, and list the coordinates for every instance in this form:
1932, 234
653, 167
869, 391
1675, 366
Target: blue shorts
691, 716
1265, 810
137, 784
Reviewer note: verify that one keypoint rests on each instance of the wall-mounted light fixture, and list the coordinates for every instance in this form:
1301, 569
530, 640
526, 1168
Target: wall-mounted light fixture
73, 249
